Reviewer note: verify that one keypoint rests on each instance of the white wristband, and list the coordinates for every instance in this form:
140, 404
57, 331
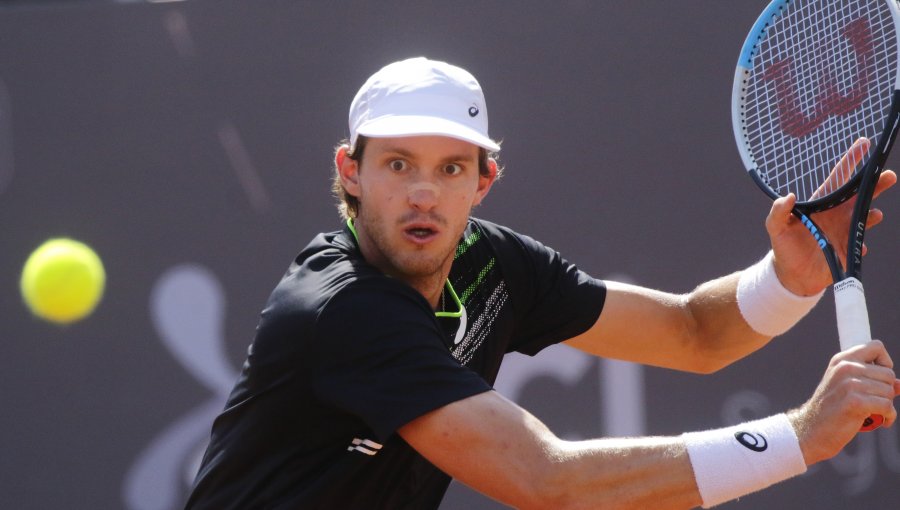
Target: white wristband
735, 461
767, 306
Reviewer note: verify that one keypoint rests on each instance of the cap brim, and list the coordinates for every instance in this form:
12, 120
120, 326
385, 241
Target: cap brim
413, 125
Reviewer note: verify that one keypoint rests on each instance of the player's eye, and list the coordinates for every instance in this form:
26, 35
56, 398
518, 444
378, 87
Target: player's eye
453, 169
398, 165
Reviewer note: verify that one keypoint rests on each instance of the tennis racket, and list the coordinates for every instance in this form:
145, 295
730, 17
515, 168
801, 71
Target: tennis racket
815, 113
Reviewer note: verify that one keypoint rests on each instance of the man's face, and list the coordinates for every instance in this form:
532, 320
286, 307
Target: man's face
415, 196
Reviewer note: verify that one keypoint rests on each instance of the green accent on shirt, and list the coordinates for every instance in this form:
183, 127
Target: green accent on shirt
481, 275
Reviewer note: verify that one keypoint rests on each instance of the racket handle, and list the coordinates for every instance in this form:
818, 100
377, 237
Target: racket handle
853, 326
852, 315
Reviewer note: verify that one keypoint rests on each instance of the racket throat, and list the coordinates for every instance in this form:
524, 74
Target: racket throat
834, 265
819, 236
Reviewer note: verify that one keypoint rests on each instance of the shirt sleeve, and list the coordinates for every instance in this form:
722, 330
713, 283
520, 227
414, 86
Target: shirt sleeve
553, 300
381, 357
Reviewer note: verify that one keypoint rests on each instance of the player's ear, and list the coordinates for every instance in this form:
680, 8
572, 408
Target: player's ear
486, 181
347, 169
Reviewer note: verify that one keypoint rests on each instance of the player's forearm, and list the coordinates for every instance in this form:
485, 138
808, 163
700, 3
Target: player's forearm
620, 474
720, 333
496, 447
708, 467
697, 332
739, 313
612, 473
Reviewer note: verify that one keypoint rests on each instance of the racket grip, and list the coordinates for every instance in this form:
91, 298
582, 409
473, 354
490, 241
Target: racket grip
853, 326
852, 314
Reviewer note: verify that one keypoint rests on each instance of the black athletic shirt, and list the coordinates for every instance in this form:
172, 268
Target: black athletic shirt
344, 355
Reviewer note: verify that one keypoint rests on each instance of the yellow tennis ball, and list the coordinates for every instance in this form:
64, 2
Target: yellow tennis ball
62, 281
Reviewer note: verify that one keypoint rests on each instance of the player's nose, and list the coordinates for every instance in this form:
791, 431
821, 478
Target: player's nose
423, 195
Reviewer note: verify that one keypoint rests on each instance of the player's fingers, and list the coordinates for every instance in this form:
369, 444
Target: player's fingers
891, 418
868, 389
884, 376
887, 410
875, 388
864, 389
875, 217
869, 352
780, 214
887, 179
845, 167
873, 379
875, 352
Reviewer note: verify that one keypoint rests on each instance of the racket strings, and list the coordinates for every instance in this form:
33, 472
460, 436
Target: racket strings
810, 106
821, 78
797, 121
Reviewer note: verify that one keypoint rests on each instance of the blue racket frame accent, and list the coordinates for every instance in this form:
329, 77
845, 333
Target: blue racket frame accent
774, 9
743, 68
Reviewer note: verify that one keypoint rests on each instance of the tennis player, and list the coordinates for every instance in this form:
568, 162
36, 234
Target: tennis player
368, 385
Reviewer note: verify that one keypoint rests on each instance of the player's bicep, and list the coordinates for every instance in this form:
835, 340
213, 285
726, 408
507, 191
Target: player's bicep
486, 442
641, 325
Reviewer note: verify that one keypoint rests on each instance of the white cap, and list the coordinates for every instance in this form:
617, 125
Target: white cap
418, 96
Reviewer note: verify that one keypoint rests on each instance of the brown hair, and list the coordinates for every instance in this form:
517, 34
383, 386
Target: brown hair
348, 205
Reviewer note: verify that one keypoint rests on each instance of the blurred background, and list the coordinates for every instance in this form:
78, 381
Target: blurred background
190, 144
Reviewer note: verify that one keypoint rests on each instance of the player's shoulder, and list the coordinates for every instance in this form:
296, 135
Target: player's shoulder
493, 234
498, 232
325, 250
488, 228
504, 240
329, 263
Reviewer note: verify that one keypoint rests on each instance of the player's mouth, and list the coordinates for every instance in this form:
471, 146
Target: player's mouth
420, 233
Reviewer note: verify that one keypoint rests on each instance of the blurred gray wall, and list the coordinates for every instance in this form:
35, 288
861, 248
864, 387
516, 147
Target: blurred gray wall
190, 143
